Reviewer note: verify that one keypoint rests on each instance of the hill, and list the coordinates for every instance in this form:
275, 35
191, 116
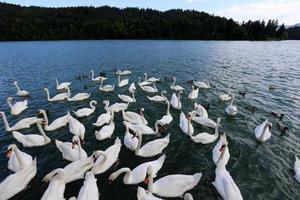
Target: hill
39, 23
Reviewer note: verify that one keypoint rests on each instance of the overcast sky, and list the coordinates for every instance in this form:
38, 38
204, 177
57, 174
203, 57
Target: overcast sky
286, 11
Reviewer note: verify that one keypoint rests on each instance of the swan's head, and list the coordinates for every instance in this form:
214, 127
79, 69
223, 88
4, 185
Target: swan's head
223, 147
188, 196
75, 141
218, 121
45, 89
10, 99
112, 177
148, 174
1, 113
270, 125
142, 111
40, 121
60, 174
15, 82
96, 155
10, 150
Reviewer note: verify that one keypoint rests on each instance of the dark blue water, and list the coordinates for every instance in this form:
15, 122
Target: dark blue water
261, 171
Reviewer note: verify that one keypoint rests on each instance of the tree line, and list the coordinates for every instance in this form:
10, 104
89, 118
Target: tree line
72, 23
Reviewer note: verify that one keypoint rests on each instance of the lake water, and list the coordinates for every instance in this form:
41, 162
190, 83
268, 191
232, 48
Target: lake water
261, 171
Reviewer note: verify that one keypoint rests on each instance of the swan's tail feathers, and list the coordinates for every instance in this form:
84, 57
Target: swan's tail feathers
17, 135
197, 178
58, 144
49, 176
162, 158
117, 141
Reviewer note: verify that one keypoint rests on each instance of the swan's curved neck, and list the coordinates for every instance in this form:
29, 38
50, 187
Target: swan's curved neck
46, 138
261, 137
162, 94
188, 124
133, 95
56, 82
45, 118
101, 83
121, 171
156, 126
174, 80
154, 86
139, 80
179, 99
146, 76
119, 79
93, 74
139, 143
92, 105
150, 183
19, 157
9, 103
168, 108
217, 129
68, 93
48, 95
112, 117
16, 84
6, 125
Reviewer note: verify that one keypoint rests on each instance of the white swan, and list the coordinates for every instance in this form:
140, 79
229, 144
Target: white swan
89, 190
56, 187
143, 83
149, 89
21, 93
220, 153
204, 121
138, 174
225, 97
32, 140
15, 155
71, 151
107, 130
185, 124
130, 141
175, 100
15, 183
225, 185
75, 170
75, 127
176, 87
96, 79
56, 124
166, 119
263, 131
107, 157
22, 124
174, 185
106, 88
18, 107
140, 128
206, 138
158, 98
152, 79
123, 73
132, 87
78, 97
122, 83
104, 118
59, 97
297, 169
127, 98
117, 107
84, 112
151, 148
200, 110
201, 84
194, 93
231, 109
135, 118
62, 86
143, 194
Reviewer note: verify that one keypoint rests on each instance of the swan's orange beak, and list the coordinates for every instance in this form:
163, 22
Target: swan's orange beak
146, 181
109, 181
8, 153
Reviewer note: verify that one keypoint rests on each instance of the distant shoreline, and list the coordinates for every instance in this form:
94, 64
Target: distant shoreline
19, 23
